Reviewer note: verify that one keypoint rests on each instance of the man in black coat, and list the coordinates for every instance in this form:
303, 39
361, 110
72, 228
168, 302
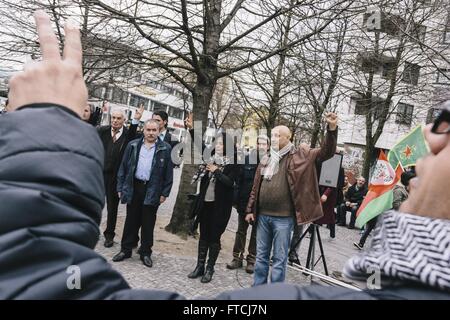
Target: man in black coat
163, 118
353, 199
115, 139
244, 186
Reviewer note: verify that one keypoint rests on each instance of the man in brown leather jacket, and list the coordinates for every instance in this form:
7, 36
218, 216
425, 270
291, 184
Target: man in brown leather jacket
285, 185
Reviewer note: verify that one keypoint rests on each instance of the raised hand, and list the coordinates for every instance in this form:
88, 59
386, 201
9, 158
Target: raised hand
188, 122
331, 119
55, 79
139, 112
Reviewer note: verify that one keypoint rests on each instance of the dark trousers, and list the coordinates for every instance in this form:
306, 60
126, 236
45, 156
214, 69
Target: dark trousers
112, 203
298, 231
211, 229
241, 237
332, 228
342, 215
370, 225
139, 216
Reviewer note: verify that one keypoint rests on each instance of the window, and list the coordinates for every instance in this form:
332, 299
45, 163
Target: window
119, 96
143, 101
404, 113
447, 29
447, 36
150, 105
418, 32
443, 76
377, 108
159, 106
96, 92
388, 68
433, 114
367, 62
411, 73
391, 24
136, 101
383, 22
152, 84
363, 106
175, 113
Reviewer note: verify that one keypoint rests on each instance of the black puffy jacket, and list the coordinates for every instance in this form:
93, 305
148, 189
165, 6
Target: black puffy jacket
51, 196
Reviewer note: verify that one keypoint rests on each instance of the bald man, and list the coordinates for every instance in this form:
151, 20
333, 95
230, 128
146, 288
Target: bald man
115, 138
285, 191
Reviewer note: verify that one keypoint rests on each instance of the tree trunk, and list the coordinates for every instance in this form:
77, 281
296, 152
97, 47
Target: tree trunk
179, 222
315, 134
370, 157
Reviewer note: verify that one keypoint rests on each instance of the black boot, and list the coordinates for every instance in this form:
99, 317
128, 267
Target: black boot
214, 249
200, 268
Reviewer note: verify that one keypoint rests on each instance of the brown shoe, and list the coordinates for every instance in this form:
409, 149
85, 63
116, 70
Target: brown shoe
234, 264
250, 268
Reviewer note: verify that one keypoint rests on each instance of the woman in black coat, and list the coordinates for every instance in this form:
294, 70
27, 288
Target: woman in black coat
213, 204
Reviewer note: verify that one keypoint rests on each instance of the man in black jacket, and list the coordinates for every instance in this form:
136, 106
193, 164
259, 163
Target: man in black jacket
353, 199
144, 182
163, 119
244, 186
115, 139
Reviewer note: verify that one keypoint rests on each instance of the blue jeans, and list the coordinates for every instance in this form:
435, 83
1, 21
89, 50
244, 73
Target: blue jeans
270, 231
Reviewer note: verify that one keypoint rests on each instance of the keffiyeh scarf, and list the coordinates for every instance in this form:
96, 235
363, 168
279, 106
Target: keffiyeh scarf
220, 161
406, 247
274, 161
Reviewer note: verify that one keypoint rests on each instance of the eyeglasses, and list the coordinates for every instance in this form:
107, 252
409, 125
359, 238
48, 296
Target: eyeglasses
442, 123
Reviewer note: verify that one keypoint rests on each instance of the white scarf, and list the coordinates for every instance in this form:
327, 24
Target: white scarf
274, 162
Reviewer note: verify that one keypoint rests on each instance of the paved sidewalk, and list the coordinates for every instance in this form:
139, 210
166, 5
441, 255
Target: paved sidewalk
170, 269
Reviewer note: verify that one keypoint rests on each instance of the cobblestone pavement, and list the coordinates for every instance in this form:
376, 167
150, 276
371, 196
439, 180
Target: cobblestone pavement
170, 269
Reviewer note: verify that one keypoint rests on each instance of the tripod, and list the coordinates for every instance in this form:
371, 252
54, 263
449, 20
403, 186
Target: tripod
313, 229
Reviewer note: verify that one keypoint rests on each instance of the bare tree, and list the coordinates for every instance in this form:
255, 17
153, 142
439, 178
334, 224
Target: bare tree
263, 87
222, 103
210, 40
318, 66
107, 55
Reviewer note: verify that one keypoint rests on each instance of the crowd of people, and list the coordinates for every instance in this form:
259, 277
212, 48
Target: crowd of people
52, 190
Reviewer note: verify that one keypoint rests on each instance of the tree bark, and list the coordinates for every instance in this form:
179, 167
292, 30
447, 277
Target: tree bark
202, 96
370, 157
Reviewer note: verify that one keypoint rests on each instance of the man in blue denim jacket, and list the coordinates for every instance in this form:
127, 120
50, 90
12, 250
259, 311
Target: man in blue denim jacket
144, 181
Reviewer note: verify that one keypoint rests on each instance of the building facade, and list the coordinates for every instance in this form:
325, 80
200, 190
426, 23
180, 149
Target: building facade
396, 57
